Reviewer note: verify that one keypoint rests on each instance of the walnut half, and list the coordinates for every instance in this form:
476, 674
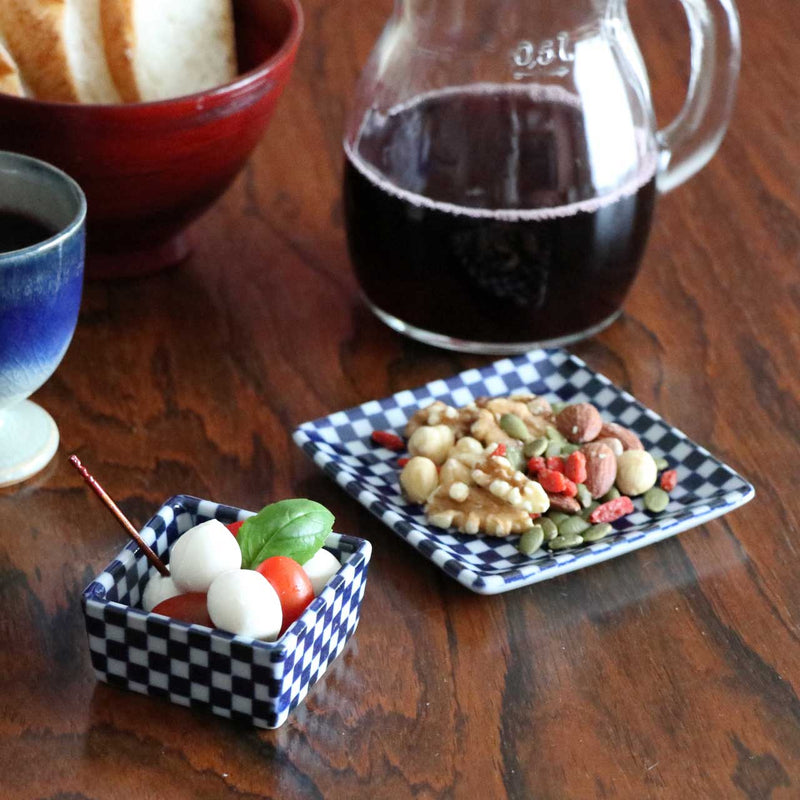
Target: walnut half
499, 500
458, 420
486, 427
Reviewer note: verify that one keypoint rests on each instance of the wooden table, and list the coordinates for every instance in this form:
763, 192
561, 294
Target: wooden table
670, 673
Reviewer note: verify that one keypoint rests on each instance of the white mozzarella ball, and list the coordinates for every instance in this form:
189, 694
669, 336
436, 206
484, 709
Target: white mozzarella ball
202, 553
243, 601
157, 590
320, 568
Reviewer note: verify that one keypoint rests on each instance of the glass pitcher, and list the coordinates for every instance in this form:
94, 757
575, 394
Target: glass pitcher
502, 164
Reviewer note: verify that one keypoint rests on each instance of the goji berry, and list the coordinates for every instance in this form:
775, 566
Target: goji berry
401, 462
391, 441
500, 450
669, 480
570, 490
612, 510
556, 463
575, 468
552, 481
536, 465
535, 516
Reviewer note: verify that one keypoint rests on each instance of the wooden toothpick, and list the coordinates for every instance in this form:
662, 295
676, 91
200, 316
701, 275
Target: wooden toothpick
121, 518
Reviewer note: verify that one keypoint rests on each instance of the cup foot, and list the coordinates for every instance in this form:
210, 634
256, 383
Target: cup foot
485, 348
136, 262
28, 441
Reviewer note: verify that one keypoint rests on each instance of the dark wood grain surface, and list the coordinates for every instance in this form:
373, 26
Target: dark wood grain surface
669, 673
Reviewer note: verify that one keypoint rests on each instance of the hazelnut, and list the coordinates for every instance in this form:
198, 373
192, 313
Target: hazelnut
432, 441
419, 478
636, 472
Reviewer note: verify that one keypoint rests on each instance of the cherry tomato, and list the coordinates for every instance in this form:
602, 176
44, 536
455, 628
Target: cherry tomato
190, 607
291, 583
233, 527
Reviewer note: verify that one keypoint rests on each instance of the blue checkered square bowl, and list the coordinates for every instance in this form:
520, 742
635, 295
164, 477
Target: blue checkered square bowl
340, 444
232, 676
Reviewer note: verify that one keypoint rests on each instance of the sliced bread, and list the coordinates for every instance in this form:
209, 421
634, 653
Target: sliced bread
157, 49
10, 82
34, 33
58, 47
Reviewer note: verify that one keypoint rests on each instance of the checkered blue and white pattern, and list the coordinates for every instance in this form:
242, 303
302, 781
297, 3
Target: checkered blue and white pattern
233, 676
340, 444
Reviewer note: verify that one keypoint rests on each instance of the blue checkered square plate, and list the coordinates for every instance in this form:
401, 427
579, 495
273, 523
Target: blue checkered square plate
236, 677
340, 444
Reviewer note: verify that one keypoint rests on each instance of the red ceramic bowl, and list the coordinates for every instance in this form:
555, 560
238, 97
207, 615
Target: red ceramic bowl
149, 169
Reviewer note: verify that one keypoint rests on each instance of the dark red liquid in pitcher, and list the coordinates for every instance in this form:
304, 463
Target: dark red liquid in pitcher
474, 214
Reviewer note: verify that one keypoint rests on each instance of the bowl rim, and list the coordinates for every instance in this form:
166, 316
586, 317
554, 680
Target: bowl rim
197, 99
9, 257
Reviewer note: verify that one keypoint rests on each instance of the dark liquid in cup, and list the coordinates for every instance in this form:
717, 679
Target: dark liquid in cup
19, 230
467, 215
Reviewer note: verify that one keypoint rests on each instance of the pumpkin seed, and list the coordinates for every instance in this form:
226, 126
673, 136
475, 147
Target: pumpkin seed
557, 516
549, 527
558, 406
584, 496
573, 525
661, 463
564, 542
554, 435
515, 427
656, 500
587, 512
515, 456
553, 449
611, 494
535, 447
569, 449
597, 532
531, 540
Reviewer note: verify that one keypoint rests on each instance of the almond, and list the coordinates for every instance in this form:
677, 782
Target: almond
630, 441
614, 443
601, 468
579, 423
559, 502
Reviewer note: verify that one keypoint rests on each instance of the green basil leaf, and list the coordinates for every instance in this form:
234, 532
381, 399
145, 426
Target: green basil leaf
294, 528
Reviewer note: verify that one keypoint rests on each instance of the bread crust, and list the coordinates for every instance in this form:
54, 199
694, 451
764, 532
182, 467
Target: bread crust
34, 32
9, 75
119, 42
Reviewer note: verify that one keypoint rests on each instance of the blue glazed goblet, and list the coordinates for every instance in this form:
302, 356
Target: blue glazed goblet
40, 294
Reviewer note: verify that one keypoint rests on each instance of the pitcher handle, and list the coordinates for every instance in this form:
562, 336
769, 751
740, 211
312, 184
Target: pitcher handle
691, 139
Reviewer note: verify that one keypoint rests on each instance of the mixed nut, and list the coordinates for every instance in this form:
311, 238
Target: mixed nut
557, 474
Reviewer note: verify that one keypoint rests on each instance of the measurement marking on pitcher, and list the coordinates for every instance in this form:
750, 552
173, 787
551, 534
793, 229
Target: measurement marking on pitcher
550, 56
